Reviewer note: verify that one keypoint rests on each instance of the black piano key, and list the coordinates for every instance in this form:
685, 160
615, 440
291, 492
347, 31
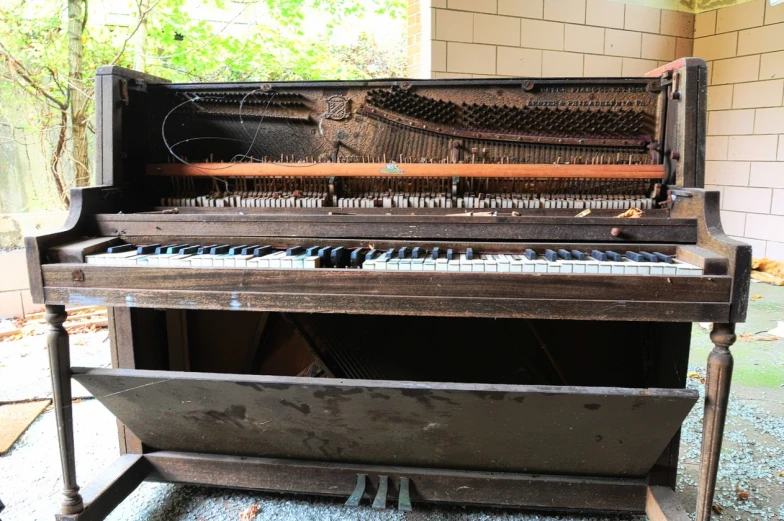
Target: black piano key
634, 256
565, 255
416, 252
389, 253
550, 255
146, 249
450, 255
599, 255
122, 248
434, 255
324, 256
262, 250
294, 250
188, 250
616, 257
577, 254
530, 254
339, 257
237, 250
161, 250
205, 250
469, 254
401, 253
649, 257
174, 248
663, 258
223, 249
371, 254
312, 251
357, 257
248, 250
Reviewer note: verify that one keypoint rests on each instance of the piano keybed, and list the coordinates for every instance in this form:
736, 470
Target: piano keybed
405, 258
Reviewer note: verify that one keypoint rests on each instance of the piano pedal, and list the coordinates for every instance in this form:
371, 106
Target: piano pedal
359, 490
380, 502
404, 497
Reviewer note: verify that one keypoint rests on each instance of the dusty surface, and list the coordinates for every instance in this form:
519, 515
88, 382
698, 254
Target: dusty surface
752, 461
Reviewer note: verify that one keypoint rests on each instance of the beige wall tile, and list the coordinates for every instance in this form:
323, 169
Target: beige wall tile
519, 62
774, 250
605, 13
774, 15
716, 47
597, 66
28, 305
684, 47
572, 11
772, 65
622, 43
780, 155
765, 227
777, 204
438, 3
521, 8
13, 267
705, 24
741, 16
719, 97
476, 6
655, 47
11, 305
752, 148
760, 40
758, 94
562, 64
582, 38
751, 200
716, 148
770, 174
677, 23
730, 122
634, 67
758, 248
451, 75
735, 173
537, 34
473, 58
499, 30
714, 188
733, 223
438, 55
735, 70
769, 121
641, 18
454, 26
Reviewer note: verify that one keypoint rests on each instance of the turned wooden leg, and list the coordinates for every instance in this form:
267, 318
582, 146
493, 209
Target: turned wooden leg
717, 394
60, 366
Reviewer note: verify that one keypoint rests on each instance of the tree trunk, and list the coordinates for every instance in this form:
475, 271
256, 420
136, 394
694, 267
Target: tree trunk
77, 17
140, 38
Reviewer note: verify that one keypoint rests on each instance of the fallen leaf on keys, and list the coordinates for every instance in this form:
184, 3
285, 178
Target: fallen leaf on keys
781, 474
250, 513
742, 494
585, 212
718, 508
754, 337
696, 376
631, 213
755, 297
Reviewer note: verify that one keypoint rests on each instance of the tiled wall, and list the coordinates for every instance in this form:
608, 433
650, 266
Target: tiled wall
744, 46
479, 38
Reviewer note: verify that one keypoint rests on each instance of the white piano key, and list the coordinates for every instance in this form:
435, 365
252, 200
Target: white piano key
429, 265
404, 265
464, 263
393, 264
629, 267
578, 266
617, 268
504, 263
490, 263
381, 263
657, 268
314, 261
113, 259
477, 265
516, 265
176, 260
99, 259
541, 265
237, 261
552, 267
686, 269
417, 264
669, 269
275, 259
453, 265
591, 266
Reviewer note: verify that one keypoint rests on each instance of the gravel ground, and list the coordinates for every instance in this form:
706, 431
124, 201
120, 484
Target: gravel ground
752, 460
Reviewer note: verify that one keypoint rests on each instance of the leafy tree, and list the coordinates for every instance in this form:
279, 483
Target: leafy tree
49, 51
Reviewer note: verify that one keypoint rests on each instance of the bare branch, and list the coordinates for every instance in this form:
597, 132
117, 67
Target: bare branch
142, 16
27, 77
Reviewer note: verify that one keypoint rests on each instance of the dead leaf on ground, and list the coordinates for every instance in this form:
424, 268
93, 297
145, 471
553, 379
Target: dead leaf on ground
742, 494
754, 337
718, 508
250, 513
755, 297
696, 376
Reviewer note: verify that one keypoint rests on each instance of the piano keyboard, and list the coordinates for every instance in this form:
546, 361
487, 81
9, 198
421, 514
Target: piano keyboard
416, 258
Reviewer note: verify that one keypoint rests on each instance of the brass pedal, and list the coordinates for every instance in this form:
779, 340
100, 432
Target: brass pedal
404, 497
380, 502
359, 490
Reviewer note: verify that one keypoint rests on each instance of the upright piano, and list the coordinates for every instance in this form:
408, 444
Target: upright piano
399, 291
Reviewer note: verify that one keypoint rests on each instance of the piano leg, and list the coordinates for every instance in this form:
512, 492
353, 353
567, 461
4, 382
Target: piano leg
60, 366
717, 393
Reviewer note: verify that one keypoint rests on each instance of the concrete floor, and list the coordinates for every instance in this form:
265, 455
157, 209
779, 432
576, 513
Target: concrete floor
752, 459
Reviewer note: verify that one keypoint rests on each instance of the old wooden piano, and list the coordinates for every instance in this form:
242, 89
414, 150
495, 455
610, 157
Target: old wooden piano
399, 291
